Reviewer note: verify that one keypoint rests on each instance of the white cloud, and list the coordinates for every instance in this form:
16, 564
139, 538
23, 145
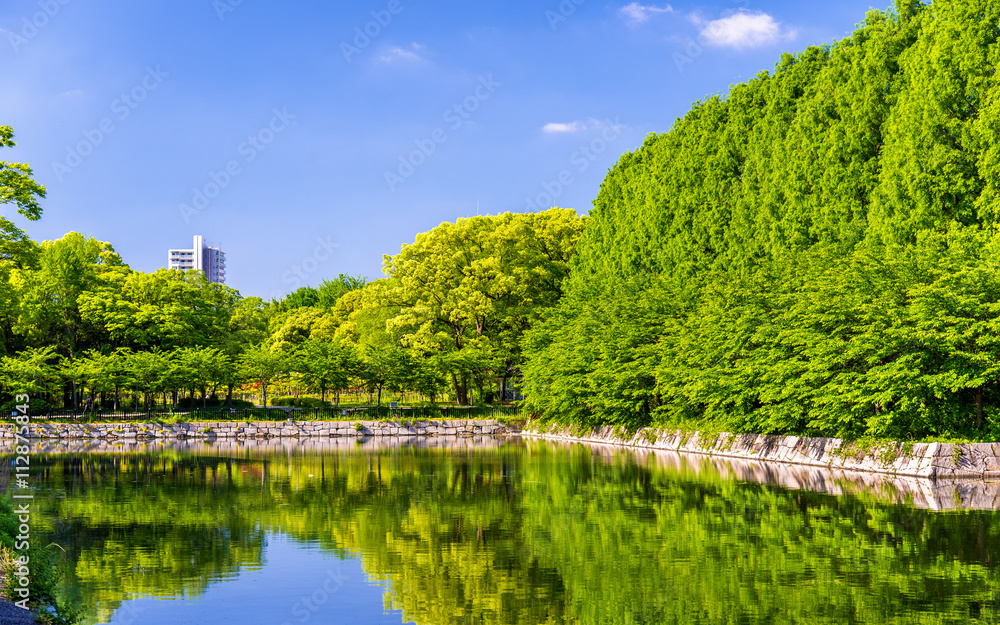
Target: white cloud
556, 128
564, 128
395, 54
639, 13
75, 93
745, 29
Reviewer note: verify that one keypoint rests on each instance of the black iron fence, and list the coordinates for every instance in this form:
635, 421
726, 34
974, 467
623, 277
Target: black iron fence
384, 413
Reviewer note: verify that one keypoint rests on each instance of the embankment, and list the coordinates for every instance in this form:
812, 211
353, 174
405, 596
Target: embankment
927, 460
257, 430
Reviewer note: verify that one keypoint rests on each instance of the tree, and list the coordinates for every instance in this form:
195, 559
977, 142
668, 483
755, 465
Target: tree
305, 296
151, 373
810, 253
330, 291
69, 270
166, 309
17, 251
33, 372
384, 366
262, 365
94, 372
325, 365
291, 329
479, 284
202, 368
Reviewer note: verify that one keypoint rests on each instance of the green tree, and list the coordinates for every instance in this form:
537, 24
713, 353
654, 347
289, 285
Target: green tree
480, 283
261, 365
325, 365
34, 371
166, 309
330, 291
151, 373
384, 367
69, 271
204, 369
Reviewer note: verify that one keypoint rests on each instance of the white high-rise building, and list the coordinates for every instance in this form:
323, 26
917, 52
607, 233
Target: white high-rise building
203, 257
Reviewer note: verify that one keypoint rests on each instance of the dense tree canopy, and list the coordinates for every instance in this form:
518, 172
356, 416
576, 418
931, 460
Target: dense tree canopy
814, 252
82, 330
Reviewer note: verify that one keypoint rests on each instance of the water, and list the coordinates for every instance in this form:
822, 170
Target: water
510, 532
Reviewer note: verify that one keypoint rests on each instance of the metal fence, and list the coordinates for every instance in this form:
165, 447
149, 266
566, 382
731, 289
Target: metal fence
384, 413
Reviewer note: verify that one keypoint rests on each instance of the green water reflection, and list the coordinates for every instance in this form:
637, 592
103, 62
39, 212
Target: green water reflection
523, 533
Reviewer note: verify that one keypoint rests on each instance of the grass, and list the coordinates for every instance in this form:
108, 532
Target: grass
45, 566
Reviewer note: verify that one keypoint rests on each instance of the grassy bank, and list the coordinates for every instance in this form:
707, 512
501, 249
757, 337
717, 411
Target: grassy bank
44, 566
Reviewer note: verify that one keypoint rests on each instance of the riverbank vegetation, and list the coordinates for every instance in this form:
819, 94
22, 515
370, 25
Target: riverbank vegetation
82, 331
43, 565
815, 252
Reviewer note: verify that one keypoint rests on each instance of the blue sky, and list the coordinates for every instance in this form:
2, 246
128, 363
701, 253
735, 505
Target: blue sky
310, 138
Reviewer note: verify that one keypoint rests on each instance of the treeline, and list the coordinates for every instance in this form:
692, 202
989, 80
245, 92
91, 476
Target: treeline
814, 253
79, 329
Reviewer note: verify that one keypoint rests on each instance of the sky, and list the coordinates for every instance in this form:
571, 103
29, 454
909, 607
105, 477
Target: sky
310, 138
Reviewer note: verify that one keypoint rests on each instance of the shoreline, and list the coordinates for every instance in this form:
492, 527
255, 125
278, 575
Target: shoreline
922, 460
259, 430
931, 493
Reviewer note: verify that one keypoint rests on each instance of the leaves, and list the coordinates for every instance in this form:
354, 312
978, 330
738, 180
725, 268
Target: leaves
812, 253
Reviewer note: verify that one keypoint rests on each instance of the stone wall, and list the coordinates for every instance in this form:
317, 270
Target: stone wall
924, 493
261, 446
258, 430
928, 460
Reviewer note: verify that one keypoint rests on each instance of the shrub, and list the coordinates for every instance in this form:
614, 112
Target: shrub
186, 403
299, 402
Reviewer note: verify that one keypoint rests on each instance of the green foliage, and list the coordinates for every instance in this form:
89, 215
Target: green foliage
814, 253
263, 366
466, 292
299, 402
45, 566
80, 329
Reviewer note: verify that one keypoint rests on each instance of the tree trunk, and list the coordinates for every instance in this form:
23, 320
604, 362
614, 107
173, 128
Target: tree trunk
979, 408
462, 392
503, 382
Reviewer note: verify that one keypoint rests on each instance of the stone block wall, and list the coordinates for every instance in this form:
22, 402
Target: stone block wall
929, 460
258, 430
